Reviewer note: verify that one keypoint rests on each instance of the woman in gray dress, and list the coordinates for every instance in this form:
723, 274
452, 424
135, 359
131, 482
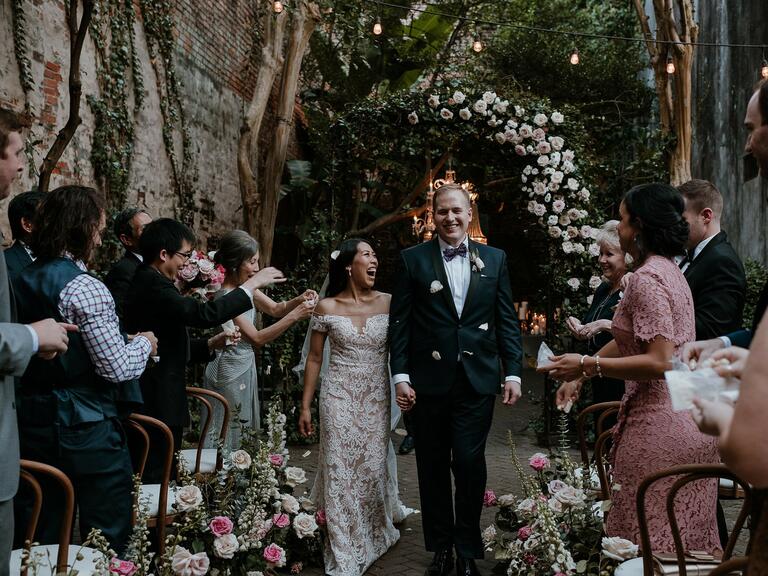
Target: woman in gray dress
233, 372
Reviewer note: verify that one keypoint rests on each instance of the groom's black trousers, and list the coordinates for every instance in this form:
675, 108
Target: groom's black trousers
450, 431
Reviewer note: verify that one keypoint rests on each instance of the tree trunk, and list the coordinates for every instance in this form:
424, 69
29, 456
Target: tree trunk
305, 17
63, 138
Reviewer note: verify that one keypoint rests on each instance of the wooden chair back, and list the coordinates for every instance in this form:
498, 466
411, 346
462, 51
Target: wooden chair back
602, 446
687, 473
30, 469
601, 411
138, 442
205, 397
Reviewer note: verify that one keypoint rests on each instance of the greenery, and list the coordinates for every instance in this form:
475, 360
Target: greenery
757, 276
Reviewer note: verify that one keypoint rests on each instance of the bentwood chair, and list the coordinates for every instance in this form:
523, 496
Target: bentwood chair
156, 499
733, 566
66, 554
684, 562
601, 411
206, 460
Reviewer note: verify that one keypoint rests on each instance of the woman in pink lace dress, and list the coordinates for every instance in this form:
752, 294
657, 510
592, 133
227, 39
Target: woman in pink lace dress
653, 320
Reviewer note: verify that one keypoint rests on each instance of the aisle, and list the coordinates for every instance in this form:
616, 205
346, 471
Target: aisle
408, 557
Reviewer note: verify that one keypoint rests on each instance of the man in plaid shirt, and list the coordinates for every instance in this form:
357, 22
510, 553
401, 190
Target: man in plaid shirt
69, 406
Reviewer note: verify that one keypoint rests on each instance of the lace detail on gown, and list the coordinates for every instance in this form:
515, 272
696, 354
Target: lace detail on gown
356, 480
649, 435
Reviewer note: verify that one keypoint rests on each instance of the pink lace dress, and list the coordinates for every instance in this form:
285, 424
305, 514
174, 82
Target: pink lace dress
649, 435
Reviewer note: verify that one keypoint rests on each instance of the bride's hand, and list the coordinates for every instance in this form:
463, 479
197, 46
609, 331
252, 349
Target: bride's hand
305, 423
405, 396
567, 394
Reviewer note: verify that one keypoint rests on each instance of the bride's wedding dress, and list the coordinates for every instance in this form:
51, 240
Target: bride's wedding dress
356, 481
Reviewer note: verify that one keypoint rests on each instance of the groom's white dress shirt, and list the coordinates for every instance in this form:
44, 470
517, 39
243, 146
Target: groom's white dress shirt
458, 271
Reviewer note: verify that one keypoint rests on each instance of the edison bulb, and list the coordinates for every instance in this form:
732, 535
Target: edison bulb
764, 70
575, 57
277, 6
377, 29
477, 46
670, 66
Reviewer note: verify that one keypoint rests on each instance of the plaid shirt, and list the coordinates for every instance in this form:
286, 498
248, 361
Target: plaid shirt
85, 301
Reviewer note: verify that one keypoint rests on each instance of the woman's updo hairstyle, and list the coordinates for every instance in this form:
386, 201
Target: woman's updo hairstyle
657, 210
340, 260
235, 248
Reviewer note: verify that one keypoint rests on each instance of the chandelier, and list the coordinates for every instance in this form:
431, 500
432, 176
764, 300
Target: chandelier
424, 228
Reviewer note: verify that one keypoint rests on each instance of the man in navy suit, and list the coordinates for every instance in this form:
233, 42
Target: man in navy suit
21, 211
452, 329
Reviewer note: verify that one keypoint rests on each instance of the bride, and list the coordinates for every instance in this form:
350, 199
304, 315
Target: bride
356, 480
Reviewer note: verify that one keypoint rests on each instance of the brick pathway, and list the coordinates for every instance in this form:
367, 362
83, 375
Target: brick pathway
408, 557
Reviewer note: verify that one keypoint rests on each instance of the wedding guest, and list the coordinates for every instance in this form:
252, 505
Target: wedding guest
596, 326
17, 342
21, 211
652, 322
128, 226
154, 303
233, 371
68, 408
712, 268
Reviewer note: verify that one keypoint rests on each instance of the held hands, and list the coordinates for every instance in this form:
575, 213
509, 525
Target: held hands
52, 337
700, 350
305, 422
737, 358
264, 278
564, 367
405, 396
512, 392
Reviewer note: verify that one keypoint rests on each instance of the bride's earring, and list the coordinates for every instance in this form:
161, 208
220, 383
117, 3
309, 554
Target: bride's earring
349, 271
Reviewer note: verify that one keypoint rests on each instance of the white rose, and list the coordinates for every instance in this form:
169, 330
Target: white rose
540, 119
413, 118
531, 206
568, 155
555, 158
434, 101
584, 194
586, 231
573, 184
525, 131
539, 188
188, 498
489, 534
556, 142
500, 138
594, 250
557, 177
555, 505
552, 220
619, 549
564, 220
555, 232
539, 209
574, 214
539, 135
543, 148
241, 459
304, 525
579, 248
574, 283
489, 97
446, 114
573, 232
555, 486
289, 504
501, 106
543, 160
526, 506
570, 496
594, 282
465, 114
554, 186
557, 207
519, 111
506, 500
184, 563
557, 118
583, 214
295, 476
480, 106
225, 546
459, 97
520, 150
568, 247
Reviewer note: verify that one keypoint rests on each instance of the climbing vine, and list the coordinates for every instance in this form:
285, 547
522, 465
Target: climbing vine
159, 29
113, 137
20, 50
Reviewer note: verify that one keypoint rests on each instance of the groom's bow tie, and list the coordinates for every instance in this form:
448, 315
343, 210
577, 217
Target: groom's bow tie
451, 253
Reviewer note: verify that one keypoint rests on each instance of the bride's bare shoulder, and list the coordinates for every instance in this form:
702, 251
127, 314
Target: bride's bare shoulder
327, 306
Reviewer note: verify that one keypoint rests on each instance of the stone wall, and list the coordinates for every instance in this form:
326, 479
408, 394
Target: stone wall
214, 39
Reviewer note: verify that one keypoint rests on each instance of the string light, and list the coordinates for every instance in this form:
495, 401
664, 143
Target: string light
377, 28
670, 65
575, 57
764, 69
477, 45
277, 6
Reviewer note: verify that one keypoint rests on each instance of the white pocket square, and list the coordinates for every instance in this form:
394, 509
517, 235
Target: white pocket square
483, 326
436, 355
436, 286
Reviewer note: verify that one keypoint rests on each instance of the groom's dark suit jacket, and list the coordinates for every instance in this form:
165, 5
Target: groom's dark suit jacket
719, 286
427, 335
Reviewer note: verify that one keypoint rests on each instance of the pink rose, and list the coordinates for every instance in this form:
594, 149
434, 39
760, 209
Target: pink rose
297, 567
275, 555
276, 460
489, 498
122, 567
281, 520
188, 272
221, 525
520, 150
524, 533
538, 461
320, 517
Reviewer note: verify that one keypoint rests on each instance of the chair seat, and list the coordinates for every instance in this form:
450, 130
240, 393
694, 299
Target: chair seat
632, 567
150, 494
727, 488
207, 460
46, 560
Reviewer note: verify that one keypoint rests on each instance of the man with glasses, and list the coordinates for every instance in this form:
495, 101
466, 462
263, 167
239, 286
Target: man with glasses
154, 303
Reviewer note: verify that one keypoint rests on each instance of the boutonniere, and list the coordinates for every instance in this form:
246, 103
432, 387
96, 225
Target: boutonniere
435, 287
474, 259
621, 296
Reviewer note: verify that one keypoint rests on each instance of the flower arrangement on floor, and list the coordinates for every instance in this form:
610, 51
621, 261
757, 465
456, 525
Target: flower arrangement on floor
557, 527
200, 276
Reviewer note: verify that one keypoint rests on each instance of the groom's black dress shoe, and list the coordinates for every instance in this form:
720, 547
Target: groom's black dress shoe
406, 446
441, 563
466, 567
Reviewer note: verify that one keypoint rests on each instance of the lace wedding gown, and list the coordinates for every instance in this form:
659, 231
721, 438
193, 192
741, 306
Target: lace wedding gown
356, 480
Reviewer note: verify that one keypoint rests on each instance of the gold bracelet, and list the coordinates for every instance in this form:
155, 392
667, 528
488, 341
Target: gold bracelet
597, 366
583, 370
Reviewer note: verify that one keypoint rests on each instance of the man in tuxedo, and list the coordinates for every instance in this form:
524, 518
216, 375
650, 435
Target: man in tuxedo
154, 303
756, 155
129, 224
712, 268
452, 327
18, 343
21, 211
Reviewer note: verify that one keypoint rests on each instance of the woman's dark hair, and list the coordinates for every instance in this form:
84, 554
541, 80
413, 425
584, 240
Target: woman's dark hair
235, 247
67, 220
164, 234
338, 276
657, 210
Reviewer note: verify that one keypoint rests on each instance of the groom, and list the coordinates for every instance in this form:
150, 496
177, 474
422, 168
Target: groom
451, 321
